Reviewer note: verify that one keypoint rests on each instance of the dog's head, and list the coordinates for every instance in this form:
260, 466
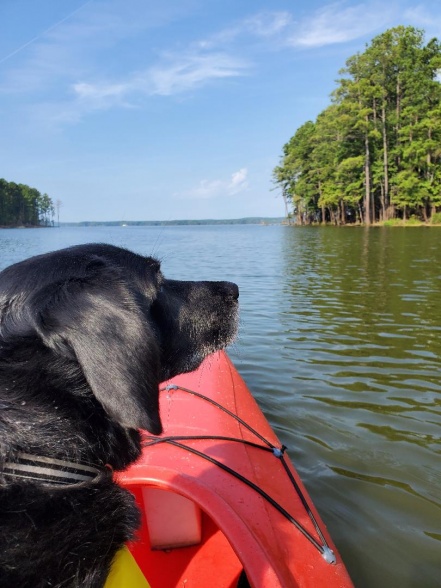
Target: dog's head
112, 313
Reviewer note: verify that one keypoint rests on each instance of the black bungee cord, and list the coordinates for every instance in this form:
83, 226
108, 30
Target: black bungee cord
278, 452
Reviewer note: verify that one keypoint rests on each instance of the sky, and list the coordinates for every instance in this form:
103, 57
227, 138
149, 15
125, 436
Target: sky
172, 109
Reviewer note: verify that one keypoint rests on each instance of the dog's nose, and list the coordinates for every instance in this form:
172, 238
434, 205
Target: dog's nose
232, 290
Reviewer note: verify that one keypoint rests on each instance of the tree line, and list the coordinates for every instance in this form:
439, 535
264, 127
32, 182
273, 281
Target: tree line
254, 220
23, 206
374, 154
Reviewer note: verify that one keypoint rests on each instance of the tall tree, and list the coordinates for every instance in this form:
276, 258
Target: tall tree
375, 152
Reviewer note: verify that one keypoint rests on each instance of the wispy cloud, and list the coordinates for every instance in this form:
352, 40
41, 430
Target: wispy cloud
264, 25
175, 74
183, 73
206, 189
268, 24
336, 22
238, 182
339, 23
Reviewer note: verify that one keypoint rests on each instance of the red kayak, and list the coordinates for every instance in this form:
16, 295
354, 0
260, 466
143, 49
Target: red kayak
222, 505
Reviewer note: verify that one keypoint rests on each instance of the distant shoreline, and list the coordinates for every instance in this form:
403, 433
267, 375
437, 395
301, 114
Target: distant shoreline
175, 223
26, 226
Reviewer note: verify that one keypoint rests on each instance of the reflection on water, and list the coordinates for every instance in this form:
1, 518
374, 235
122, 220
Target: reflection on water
340, 342
364, 325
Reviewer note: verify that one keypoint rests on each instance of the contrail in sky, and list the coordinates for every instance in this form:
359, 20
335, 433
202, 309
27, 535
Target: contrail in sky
51, 28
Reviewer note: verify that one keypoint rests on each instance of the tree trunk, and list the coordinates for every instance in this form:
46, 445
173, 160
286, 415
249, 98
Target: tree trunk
398, 114
385, 153
367, 179
323, 206
383, 204
285, 200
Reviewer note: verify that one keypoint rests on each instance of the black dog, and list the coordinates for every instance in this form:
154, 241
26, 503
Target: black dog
86, 336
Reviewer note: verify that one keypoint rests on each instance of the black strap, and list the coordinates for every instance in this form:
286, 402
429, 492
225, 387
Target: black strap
50, 471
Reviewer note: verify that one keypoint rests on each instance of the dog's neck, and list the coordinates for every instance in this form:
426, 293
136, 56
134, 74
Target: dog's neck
51, 472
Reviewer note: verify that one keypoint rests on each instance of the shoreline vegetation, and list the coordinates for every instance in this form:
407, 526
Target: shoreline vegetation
23, 206
372, 156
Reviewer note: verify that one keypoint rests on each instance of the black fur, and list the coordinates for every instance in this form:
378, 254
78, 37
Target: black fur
86, 336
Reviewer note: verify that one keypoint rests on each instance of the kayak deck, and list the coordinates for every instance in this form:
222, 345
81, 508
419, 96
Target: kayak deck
218, 494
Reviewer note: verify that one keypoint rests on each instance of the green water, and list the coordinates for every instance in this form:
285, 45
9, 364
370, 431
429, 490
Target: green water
340, 342
362, 329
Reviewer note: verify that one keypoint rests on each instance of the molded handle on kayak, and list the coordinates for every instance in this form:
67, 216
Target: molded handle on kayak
125, 572
172, 520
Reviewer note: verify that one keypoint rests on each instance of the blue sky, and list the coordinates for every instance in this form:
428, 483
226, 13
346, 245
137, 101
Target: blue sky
161, 110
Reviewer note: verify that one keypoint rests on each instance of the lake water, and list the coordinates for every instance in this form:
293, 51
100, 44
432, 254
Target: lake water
340, 342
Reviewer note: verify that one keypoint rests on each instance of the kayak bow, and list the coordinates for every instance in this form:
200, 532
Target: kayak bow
221, 503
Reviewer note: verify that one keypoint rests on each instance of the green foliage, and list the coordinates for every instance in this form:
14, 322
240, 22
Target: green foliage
394, 222
399, 222
413, 221
436, 218
22, 206
375, 153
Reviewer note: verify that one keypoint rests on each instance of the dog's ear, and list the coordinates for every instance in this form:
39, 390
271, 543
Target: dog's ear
98, 321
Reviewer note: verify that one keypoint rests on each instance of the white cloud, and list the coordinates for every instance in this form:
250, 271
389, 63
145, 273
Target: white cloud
183, 73
239, 181
339, 23
206, 189
172, 75
264, 24
175, 75
99, 93
268, 24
